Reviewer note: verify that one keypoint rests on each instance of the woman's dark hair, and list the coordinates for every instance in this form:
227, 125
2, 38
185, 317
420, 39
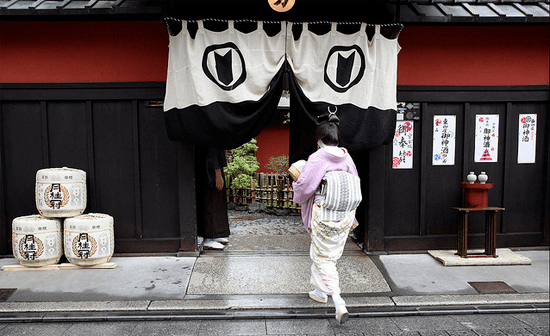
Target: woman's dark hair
328, 129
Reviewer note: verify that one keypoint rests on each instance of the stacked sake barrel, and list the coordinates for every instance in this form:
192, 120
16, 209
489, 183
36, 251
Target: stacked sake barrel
37, 240
89, 239
61, 199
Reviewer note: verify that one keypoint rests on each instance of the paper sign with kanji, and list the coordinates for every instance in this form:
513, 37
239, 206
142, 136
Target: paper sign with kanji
403, 145
444, 139
527, 138
486, 141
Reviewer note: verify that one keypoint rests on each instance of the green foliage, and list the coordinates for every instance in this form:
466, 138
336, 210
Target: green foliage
278, 163
242, 164
286, 93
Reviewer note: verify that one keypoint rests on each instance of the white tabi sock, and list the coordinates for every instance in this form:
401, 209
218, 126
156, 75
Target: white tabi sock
338, 301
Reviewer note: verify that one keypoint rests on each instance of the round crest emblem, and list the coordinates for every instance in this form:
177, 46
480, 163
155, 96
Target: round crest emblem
281, 5
344, 67
31, 247
56, 196
84, 246
224, 65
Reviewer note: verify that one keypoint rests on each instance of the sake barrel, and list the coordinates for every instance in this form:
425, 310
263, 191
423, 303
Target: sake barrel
60, 192
37, 240
89, 239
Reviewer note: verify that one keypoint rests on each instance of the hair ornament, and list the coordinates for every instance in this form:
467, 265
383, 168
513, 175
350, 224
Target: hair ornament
329, 116
332, 117
328, 127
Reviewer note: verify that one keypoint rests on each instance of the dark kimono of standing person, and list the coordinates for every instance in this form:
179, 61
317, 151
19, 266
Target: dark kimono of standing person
212, 219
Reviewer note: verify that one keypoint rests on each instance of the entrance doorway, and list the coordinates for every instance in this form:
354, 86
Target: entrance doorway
268, 249
262, 218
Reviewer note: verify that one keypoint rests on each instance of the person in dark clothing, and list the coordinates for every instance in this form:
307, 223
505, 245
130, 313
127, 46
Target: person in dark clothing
212, 219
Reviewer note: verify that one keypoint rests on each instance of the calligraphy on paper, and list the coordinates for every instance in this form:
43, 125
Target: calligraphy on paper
527, 138
403, 145
444, 140
486, 139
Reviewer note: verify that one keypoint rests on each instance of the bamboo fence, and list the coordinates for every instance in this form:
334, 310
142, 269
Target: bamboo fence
272, 189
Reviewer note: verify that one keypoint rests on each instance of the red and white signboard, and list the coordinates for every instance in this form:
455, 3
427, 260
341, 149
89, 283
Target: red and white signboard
403, 145
486, 141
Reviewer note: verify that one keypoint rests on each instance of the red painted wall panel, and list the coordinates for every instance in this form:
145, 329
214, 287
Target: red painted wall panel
56, 52
69, 52
455, 55
272, 142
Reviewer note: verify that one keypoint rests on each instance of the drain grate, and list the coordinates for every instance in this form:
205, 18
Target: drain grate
492, 287
6, 293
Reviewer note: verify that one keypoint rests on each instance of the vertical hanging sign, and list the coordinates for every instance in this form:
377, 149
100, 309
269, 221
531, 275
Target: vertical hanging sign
527, 138
403, 145
444, 139
486, 141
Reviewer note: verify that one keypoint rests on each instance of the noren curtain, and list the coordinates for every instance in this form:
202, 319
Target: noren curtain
348, 74
223, 87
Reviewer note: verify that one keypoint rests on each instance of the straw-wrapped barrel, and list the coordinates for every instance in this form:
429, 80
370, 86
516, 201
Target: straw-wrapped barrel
60, 192
89, 239
37, 240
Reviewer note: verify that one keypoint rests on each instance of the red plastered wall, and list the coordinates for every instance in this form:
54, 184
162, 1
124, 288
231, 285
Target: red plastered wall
69, 52
456, 55
272, 142
137, 51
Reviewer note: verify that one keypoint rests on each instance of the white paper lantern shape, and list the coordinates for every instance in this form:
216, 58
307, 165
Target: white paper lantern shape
60, 192
37, 240
89, 239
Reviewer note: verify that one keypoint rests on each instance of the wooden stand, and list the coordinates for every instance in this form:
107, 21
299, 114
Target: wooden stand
490, 232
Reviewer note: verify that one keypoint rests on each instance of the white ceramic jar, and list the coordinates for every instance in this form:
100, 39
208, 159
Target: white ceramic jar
483, 177
89, 239
37, 240
471, 177
60, 192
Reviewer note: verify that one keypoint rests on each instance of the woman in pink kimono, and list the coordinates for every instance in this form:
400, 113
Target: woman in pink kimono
329, 229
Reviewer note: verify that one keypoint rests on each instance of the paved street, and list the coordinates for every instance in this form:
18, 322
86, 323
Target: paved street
464, 325
258, 286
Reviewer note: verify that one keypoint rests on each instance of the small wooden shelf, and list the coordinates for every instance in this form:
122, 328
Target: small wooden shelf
490, 232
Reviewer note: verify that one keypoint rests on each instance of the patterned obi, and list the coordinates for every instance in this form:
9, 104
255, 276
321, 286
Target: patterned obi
338, 194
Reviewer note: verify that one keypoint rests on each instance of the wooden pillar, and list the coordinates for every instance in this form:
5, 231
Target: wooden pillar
3, 220
187, 198
375, 208
546, 215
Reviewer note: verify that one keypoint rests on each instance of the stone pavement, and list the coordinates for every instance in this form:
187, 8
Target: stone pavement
264, 274
441, 325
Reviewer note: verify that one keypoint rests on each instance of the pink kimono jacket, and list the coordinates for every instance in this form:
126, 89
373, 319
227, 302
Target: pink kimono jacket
318, 164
